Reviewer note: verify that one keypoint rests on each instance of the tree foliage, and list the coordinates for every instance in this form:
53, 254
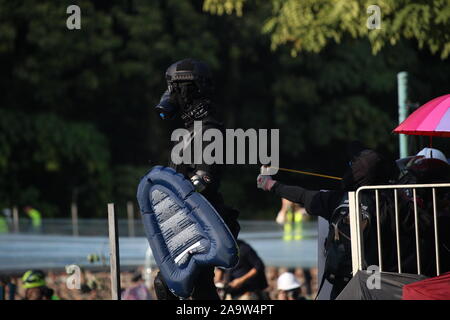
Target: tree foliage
309, 25
48, 162
76, 110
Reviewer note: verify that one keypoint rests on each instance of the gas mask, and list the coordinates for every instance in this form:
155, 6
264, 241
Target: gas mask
189, 86
167, 108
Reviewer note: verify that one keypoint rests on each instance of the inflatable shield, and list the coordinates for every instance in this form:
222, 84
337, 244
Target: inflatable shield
184, 230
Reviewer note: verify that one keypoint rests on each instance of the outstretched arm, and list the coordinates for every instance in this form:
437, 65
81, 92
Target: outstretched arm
292, 193
316, 203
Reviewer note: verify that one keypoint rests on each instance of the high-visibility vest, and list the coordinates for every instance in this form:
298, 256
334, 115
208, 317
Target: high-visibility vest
35, 217
3, 225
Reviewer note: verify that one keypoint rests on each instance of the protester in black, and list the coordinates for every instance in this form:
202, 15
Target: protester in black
248, 276
189, 97
428, 166
367, 168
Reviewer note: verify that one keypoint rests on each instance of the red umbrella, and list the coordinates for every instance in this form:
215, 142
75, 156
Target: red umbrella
431, 119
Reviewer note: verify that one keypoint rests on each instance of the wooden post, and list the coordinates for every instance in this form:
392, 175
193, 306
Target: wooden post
15, 213
114, 258
74, 212
130, 213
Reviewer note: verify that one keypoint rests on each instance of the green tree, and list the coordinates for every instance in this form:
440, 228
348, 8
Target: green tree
47, 162
76, 108
309, 25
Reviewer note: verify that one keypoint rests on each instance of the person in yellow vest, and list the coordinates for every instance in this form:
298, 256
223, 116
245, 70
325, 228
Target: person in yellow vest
3, 224
291, 217
33, 281
5, 220
36, 219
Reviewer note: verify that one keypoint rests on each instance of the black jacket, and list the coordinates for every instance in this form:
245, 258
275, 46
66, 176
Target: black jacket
214, 172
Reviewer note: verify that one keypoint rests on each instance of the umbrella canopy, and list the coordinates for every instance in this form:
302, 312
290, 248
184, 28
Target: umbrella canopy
391, 286
436, 288
431, 119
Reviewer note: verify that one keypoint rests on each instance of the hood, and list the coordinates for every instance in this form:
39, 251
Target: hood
368, 168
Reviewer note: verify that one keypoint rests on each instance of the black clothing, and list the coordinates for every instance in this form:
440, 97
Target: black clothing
324, 203
188, 95
214, 171
204, 287
214, 174
316, 203
367, 168
423, 171
248, 259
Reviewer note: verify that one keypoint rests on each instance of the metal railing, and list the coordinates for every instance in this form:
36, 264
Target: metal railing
133, 228
356, 231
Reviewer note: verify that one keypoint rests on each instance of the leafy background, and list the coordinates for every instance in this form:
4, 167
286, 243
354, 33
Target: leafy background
76, 107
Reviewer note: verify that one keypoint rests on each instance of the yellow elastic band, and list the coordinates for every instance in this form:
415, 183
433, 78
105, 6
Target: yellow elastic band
309, 173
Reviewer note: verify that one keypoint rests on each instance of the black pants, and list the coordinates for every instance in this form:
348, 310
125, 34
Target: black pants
338, 286
204, 287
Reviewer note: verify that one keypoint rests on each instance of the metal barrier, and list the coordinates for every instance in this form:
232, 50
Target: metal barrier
356, 232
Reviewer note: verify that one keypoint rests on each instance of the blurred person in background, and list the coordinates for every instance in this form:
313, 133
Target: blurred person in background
307, 284
138, 291
247, 280
429, 166
291, 217
33, 281
4, 223
272, 276
7, 288
35, 217
288, 287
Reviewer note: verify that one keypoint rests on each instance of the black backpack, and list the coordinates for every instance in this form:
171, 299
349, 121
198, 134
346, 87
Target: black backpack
338, 250
338, 253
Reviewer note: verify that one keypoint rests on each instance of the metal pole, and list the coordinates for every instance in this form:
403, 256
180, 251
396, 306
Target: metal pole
74, 212
402, 80
114, 257
359, 230
354, 232
130, 213
15, 213
377, 205
397, 233
436, 233
416, 227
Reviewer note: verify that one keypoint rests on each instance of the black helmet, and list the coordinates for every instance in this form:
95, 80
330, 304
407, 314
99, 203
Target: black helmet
190, 70
189, 91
